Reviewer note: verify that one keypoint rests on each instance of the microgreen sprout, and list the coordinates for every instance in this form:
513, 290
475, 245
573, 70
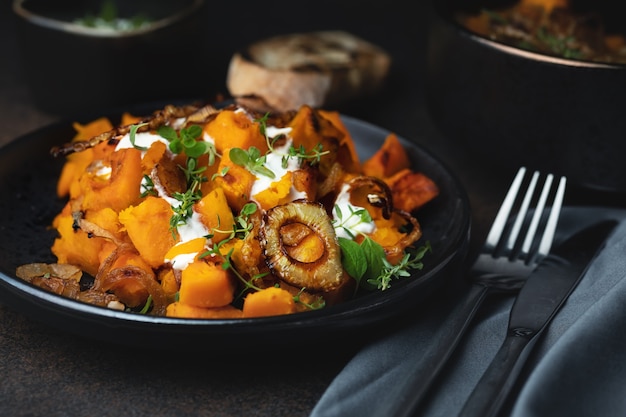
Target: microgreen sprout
252, 160
186, 140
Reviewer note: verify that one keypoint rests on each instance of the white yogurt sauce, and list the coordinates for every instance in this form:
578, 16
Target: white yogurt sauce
353, 224
142, 139
274, 162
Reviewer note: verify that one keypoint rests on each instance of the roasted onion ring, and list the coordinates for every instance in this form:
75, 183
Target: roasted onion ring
301, 247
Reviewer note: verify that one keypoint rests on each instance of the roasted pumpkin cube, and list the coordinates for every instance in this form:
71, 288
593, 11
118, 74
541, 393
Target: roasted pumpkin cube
206, 284
148, 226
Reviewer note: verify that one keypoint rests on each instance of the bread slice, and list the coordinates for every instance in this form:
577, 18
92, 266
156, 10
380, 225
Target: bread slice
320, 69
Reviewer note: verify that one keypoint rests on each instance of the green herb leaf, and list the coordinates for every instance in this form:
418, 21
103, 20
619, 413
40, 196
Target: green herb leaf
374, 255
353, 258
251, 160
132, 134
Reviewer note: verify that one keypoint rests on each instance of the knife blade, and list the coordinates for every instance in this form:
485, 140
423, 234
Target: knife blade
543, 294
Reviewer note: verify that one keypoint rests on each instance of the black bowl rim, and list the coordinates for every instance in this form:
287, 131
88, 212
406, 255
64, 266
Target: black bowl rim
444, 13
77, 29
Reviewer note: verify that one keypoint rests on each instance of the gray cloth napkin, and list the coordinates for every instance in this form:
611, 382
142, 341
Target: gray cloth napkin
578, 367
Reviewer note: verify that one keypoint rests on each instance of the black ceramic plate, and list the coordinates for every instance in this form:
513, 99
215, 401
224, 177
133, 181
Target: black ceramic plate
28, 176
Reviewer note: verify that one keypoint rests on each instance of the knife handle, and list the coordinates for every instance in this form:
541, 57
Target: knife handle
453, 329
493, 388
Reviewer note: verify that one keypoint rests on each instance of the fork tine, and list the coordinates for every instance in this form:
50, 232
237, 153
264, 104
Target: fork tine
532, 228
500, 221
548, 236
521, 214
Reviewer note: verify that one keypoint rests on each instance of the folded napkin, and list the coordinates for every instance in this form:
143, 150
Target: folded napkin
578, 367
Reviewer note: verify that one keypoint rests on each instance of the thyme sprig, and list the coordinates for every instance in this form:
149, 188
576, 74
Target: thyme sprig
292, 152
147, 186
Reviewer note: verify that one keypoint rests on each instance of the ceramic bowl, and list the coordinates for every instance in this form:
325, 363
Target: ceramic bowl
79, 56
510, 106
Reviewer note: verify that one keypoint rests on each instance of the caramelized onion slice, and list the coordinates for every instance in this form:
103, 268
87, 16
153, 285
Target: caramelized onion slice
116, 279
378, 193
301, 247
29, 272
110, 279
413, 236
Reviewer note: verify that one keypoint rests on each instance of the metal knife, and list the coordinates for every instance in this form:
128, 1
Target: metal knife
540, 298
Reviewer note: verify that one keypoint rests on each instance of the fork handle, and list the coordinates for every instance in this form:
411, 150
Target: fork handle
454, 328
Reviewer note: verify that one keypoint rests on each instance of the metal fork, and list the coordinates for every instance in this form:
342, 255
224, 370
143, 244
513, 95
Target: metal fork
510, 253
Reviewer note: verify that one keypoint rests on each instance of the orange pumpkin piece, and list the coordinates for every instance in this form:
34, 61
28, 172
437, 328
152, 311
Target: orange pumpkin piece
310, 129
304, 181
75, 246
271, 301
91, 129
118, 190
193, 246
547, 5
411, 190
152, 156
77, 162
182, 310
216, 214
148, 226
129, 119
206, 284
233, 129
169, 283
276, 194
107, 219
387, 235
236, 182
347, 154
390, 158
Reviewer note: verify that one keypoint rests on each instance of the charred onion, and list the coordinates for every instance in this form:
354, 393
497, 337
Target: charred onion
301, 247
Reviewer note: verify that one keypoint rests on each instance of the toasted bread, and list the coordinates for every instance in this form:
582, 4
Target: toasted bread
323, 68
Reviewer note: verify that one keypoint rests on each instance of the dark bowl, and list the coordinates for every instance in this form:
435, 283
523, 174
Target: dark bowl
28, 176
510, 107
73, 68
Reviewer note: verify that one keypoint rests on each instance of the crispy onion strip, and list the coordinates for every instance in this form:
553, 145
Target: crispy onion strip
291, 225
193, 114
108, 279
413, 236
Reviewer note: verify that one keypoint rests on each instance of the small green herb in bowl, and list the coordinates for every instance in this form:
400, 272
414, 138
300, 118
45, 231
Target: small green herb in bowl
108, 19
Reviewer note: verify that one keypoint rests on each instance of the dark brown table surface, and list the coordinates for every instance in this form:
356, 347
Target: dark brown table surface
47, 372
